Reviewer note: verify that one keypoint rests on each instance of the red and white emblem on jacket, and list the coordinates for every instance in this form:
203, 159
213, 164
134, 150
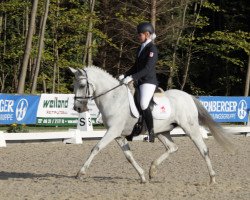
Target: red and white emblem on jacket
151, 54
163, 109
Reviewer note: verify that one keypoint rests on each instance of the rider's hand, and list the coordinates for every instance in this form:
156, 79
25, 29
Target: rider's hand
127, 80
121, 77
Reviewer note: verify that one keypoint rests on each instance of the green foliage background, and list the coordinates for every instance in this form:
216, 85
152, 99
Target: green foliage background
217, 40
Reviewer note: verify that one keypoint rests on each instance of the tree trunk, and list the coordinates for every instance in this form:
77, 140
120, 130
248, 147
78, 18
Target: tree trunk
55, 49
4, 36
44, 85
246, 93
120, 57
40, 48
55, 64
1, 24
173, 68
26, 29
3, 28
189, 51
88, 45
186, 68
21, 85
2, 78
153, 13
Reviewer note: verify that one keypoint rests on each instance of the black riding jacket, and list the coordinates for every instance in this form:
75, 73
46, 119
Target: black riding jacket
144, 70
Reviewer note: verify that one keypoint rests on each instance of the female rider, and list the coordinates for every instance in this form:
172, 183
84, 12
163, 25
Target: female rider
143, 72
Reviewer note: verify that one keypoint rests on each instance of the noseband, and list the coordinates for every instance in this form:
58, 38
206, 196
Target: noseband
78, 98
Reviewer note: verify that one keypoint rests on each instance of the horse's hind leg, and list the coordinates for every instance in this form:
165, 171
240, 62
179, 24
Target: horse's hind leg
196, 137
123, 143
171, 147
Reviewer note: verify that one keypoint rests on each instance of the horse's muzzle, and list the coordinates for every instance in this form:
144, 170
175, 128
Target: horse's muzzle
84, 108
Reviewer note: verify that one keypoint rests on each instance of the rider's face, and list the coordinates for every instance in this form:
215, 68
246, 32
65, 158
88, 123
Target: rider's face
142, 37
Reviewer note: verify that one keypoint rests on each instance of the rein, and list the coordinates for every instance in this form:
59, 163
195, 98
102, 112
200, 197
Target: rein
95, 97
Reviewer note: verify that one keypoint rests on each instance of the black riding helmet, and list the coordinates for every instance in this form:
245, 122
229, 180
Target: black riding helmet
145, 27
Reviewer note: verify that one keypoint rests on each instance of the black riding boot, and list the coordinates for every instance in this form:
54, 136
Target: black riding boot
139, 125
136, 130
147, 115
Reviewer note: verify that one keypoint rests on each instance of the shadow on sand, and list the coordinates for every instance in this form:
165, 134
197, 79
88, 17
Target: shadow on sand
25, 175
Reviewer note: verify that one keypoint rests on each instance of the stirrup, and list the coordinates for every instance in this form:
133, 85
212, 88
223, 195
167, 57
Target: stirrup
150, 137
136, 130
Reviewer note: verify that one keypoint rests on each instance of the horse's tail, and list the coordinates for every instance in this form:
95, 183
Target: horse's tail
215, 128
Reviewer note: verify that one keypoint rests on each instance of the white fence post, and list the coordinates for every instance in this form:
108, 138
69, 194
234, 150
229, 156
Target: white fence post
248, 124
84, 124
76, 139
2, 140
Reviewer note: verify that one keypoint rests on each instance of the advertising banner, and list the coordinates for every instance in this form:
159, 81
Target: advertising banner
19, 109
227, 109
57, 110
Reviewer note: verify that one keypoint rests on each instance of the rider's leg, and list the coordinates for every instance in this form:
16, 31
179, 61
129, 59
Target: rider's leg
137, 97
147, 92
138, 126
149, 122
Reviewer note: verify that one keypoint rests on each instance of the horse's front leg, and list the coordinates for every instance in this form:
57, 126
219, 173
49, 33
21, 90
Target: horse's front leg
123, 143
107, 138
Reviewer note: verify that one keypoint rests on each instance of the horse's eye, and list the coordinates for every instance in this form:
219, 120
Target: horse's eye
81, 86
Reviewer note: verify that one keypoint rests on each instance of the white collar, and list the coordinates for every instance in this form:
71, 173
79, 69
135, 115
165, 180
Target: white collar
145, 43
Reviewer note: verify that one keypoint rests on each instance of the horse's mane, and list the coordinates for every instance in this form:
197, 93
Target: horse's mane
98, 70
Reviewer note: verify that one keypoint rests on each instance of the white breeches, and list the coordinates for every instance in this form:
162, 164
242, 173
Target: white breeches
146, 94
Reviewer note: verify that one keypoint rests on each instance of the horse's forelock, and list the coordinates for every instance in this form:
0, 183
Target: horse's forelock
79, 74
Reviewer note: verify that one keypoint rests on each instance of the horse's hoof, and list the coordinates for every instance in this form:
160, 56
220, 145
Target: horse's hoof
212, 181
79, 176
144, 181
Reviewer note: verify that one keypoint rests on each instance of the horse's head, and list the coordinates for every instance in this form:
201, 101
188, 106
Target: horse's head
82, 90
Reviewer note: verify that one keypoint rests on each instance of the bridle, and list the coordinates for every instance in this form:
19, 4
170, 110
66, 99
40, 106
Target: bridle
91, 97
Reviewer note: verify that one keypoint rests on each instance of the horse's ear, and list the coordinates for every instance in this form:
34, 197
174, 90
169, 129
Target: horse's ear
80, 71
73, 71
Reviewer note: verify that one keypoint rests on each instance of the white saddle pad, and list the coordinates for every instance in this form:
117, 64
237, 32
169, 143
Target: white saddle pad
161, 110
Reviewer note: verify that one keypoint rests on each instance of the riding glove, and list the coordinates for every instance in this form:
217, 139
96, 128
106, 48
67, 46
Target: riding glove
127, 80
121, 77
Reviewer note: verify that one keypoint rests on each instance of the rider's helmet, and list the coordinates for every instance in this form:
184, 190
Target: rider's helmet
145, 27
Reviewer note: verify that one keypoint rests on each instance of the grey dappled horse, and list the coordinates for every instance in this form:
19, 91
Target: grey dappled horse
112, 100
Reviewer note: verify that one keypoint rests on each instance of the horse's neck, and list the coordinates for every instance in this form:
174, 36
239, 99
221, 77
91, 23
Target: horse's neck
101, 80
104, 82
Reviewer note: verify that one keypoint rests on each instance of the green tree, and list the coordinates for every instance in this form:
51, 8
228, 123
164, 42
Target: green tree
21, 84
203, 44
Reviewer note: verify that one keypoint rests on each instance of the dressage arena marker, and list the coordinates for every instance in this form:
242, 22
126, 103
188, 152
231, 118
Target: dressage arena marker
85, 131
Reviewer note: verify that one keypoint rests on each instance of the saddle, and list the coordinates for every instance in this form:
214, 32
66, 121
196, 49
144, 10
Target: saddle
159, 105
